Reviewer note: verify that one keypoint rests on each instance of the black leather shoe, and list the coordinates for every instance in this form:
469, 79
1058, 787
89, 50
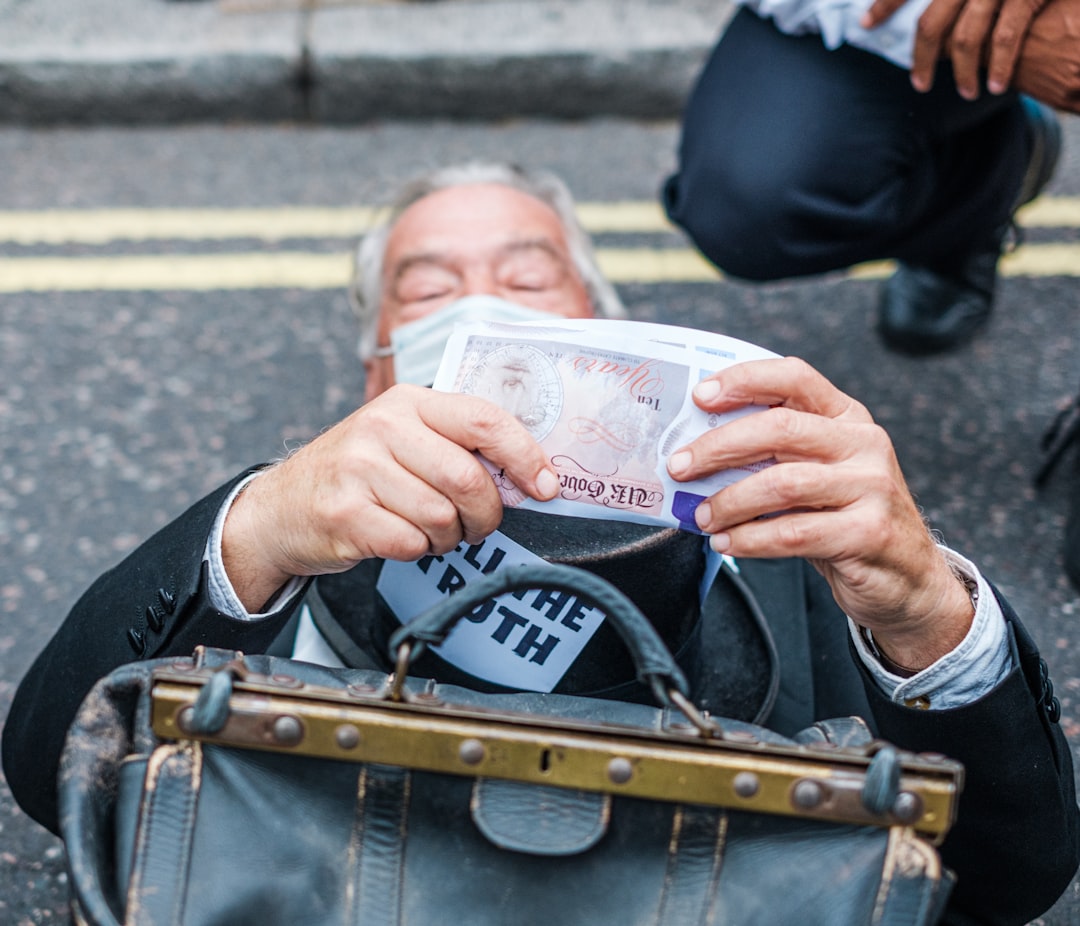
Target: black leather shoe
924, 311
1062, 434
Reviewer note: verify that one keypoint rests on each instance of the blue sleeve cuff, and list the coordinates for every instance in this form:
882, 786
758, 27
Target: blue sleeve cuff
975, 667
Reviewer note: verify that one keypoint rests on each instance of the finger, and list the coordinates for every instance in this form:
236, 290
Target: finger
933, 28
817, 536
1010, 30
452, 495
879, 11
396, 537
779, 434
441, 515
967, 42
785, 487
789, 382
479, 425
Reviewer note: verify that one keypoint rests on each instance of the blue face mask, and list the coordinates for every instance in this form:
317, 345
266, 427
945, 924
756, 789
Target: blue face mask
417, 347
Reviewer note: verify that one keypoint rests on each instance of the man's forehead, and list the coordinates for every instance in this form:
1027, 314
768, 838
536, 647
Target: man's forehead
480, 215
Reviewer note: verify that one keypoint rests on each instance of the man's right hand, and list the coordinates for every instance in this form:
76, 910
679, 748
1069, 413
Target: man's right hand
1049, 64
1032, 46
397, 479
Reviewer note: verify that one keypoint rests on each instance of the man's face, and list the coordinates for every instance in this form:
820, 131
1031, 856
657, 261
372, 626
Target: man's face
471, 240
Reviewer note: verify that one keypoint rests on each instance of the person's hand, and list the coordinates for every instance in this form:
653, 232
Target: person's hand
1049, 65
397, 479
835, 496
973, 33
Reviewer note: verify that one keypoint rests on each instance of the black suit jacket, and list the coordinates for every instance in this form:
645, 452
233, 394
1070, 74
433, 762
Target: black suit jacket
1015, 845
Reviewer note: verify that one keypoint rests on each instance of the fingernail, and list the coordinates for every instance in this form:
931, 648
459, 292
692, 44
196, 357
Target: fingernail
547, 483
720, 542
679, 462
919, 84
996, 87
702, 514
707, 390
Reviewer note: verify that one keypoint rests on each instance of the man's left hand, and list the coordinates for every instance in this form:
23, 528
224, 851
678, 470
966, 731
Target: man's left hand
835, 496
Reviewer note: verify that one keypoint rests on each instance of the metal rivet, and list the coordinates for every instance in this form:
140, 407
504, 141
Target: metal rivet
471, 752
746, 784
287, 730
183, 719
347, 736
620, 771
286, 681
360, 690
807, 794
907, 808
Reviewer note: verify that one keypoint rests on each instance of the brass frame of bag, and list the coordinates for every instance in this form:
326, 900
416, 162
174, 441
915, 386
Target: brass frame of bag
697, 762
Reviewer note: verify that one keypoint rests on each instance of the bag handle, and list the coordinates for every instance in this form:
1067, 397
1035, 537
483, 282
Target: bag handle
653, 662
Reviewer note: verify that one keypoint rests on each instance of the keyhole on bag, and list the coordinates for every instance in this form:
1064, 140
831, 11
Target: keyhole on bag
545, 760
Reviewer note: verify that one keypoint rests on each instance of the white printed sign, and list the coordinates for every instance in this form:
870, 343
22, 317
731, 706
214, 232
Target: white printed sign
524, 640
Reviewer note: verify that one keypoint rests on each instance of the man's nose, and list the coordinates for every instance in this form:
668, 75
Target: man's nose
480, 281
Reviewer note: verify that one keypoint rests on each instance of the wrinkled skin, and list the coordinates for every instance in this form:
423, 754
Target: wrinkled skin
1032, 46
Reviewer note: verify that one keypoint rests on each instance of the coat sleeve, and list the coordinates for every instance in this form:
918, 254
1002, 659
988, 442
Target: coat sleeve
154, 603
1015, 845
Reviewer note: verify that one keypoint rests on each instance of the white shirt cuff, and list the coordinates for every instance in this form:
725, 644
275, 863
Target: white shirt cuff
222, 594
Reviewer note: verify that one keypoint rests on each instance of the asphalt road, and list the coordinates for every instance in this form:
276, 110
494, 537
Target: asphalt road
120, 406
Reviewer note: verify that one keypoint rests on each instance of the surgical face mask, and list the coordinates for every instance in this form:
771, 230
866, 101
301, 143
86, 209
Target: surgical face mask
417, 347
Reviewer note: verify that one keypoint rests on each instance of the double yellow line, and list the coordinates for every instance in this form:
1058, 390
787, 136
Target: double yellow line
278, 269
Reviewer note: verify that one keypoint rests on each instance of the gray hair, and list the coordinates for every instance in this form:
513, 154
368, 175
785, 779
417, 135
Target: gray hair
365, 287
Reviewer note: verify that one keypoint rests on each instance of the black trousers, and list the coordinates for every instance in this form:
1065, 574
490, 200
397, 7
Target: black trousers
797, 160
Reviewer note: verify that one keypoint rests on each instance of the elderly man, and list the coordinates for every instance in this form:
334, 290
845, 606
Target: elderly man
885, 624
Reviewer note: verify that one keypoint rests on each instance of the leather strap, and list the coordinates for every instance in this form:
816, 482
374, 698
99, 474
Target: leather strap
379, 845
338, 640
695, 858
159, 879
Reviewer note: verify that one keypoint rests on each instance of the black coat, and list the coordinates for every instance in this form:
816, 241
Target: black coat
1014, 847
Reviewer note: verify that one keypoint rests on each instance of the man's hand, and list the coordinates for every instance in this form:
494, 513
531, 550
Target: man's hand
1049, 65
835, 496
973, 33
397, 479
1032, 46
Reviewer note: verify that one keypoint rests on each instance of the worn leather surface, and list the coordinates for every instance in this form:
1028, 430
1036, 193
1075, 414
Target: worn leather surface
536, 820
282, 839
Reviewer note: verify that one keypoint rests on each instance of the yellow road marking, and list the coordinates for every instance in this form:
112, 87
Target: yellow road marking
302, 270
101, 226
189, 272
1029, 260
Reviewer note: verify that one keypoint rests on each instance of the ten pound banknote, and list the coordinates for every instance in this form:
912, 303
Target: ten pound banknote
609, 401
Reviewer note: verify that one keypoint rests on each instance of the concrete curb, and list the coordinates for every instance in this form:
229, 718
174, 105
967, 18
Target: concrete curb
153, 62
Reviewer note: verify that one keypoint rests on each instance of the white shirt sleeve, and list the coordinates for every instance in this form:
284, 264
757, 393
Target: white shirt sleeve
979, 663
837, 21
222, 594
